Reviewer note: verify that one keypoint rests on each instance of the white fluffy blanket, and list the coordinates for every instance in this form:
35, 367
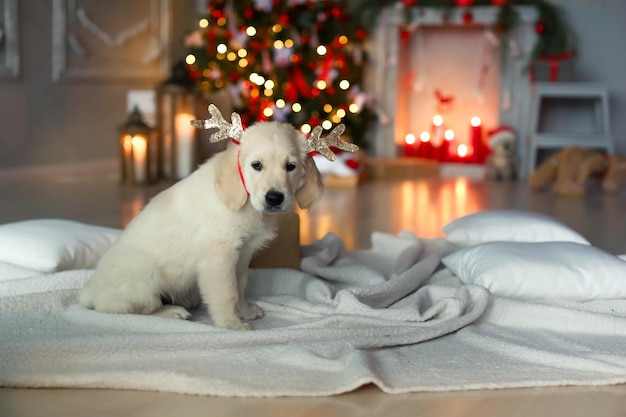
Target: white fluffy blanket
389, 316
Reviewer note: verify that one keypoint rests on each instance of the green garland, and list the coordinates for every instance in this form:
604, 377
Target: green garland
555, 36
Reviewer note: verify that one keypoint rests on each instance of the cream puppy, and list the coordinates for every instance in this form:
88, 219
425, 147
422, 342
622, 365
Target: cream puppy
193, 242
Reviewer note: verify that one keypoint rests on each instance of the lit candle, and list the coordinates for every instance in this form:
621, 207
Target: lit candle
139, 151
410, 145
436, 138
425, 149
476, 140
446, 146
184, 134
462, 151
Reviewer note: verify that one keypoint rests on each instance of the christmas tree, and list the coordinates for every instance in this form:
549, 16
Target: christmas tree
299, 61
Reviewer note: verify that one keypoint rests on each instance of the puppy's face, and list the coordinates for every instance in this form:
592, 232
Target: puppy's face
275, 167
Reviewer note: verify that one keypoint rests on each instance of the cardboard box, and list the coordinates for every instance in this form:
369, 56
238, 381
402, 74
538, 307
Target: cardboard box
284, 250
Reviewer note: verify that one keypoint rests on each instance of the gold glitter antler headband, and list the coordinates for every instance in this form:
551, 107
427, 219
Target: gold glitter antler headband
226, 130
315, 143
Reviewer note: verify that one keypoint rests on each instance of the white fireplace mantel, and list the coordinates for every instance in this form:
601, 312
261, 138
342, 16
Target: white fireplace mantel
387, 70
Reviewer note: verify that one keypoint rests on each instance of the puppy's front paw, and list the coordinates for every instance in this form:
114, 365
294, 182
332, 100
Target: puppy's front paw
173, 312
232, 324
249, 311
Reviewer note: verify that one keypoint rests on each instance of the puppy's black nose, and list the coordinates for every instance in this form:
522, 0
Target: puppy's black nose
274, 198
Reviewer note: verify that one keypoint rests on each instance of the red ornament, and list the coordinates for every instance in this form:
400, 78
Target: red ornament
409, 3
353, 164
540, 27
248, 13
405, 35
499, 2
464, 3
216, 13
361, 33
468, 17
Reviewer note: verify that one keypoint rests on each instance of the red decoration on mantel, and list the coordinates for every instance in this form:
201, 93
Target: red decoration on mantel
499, 2
540, 27
464, 3
467, 17
409, 3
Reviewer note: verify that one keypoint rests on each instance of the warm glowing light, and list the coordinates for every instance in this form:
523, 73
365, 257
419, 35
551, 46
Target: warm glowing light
254, 93
321, 50
335, 119
328, 108
354, 108
462, 150
410, 139
437, 120
242, 53
475, 121
250, 31
268, 92
139, 142
269, 84
305, 128
327, 124
221, 48
277, 28
243, 62
289, 43
449, 134
221, 21
190, 59
296, 107
344, 84
278, 44
231, 56
256, 78
280, 103
321, 84
341, 113
268, 112
203, 23
424, 136
343, 39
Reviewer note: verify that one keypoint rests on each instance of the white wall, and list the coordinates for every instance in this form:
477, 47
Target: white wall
601, 58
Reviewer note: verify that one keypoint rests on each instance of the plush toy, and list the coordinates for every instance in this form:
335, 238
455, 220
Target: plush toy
568, 170
502, 163
616, 174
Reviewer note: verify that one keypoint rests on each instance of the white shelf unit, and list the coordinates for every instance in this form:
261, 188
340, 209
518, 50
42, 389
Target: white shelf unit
597, 136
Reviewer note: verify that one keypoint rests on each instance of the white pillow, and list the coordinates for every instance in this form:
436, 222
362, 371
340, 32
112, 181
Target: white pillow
558, 270
508, 226
51, 245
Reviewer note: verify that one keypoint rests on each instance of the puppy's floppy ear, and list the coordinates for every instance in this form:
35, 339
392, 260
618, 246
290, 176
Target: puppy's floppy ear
312, 188
227, 182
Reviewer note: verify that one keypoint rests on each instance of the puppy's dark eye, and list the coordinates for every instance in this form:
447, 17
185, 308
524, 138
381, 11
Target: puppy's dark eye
256, 165
290, 166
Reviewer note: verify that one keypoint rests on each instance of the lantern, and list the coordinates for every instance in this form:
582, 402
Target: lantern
177, 100
138, 151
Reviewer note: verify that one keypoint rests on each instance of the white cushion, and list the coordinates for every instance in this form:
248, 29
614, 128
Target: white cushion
557, 270
50, 245
508, 226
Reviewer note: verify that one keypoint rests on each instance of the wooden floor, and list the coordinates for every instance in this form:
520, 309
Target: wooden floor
90, 193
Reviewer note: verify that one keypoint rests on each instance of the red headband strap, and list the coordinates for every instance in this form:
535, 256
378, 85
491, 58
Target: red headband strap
243, 181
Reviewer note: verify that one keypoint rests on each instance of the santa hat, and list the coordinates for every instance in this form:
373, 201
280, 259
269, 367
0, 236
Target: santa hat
500, 134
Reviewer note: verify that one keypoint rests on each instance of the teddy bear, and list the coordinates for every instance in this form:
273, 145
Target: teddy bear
568, 170
502, 163
615, 175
